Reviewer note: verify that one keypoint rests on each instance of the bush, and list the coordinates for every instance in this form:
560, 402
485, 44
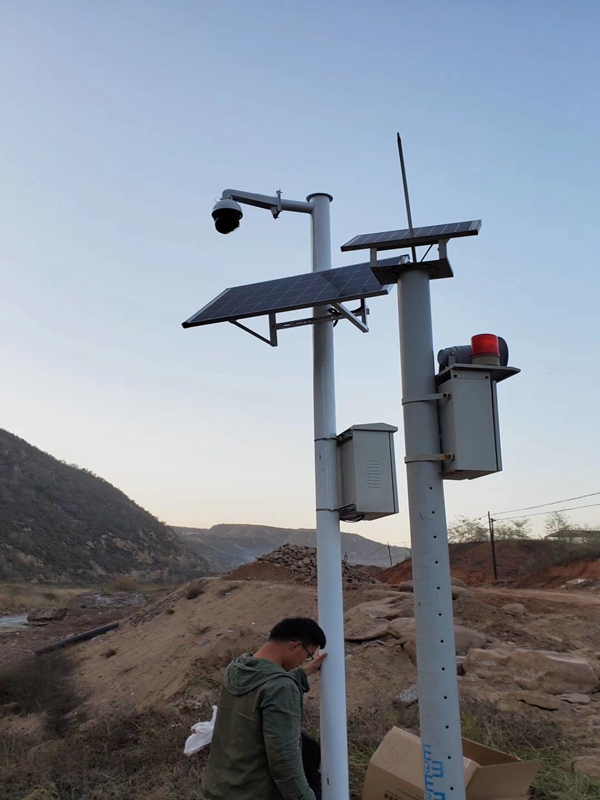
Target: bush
195, 590
124, 583
41, 685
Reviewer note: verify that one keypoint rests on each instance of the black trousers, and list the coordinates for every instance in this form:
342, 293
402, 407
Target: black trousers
311, 760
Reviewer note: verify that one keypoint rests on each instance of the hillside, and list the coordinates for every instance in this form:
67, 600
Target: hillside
227, 547
60, 523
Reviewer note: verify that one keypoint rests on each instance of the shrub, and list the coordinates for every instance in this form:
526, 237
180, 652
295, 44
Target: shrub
124, 583
41, 685
195, 590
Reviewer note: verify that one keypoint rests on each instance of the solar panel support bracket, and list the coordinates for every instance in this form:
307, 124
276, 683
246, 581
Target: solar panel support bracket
273, 327
357, 318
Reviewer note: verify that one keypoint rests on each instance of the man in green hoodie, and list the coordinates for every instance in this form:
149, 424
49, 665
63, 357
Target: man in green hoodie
255, 752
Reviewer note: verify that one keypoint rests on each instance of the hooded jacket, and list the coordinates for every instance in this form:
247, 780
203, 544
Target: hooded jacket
255, 752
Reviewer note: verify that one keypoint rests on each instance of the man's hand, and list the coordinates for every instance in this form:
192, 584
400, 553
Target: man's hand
315, 665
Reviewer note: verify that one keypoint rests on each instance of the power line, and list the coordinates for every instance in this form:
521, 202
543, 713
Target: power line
541, 505
543, 513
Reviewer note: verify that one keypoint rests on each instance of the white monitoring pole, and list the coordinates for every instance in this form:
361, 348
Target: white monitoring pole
334, 739
436, 655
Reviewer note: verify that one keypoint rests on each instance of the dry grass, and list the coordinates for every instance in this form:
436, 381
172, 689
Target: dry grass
137, 757
531, 739
18, 598
124, 583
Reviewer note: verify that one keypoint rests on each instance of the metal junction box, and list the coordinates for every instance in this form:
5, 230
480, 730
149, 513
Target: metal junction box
468, 417
367, 472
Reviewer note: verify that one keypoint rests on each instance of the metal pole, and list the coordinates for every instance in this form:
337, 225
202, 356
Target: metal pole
406, 195
436, 656
493, 546
334, 739
390, 554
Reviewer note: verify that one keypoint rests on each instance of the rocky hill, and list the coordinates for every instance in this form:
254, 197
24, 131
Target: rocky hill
60, 523
229, 546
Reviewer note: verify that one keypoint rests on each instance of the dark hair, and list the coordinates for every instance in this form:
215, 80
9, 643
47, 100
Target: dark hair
298, 629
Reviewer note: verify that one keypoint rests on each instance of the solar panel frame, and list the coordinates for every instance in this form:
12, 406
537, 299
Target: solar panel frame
404, 238
292, 293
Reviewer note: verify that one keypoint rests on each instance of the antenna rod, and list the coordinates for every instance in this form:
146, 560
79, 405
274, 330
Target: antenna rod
406, 197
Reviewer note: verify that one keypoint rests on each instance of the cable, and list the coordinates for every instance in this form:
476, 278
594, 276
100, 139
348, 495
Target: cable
553, 503
543, 513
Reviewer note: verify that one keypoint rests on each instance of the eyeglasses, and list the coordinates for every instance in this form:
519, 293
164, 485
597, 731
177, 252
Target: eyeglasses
309, 655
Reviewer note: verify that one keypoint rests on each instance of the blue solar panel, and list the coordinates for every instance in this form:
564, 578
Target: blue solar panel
392, 240
289, 294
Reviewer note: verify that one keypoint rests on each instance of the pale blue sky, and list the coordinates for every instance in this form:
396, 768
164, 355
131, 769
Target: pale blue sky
120, 122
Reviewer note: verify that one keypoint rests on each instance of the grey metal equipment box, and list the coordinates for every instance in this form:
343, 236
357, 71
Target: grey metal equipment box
468, 418
367, 472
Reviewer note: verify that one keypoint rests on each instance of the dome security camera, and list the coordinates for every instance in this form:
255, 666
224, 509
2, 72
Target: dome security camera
227, 215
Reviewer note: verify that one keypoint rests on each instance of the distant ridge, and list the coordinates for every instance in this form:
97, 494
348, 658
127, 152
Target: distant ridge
227, 547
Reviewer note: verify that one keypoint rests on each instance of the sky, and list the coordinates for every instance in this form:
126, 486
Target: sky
121, 123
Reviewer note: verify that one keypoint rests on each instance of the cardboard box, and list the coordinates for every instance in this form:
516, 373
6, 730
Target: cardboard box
395, 771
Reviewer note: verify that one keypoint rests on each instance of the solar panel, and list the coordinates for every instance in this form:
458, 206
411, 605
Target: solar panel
289, 294
391, 240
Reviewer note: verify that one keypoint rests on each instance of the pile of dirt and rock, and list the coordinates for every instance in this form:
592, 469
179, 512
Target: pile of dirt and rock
302, 561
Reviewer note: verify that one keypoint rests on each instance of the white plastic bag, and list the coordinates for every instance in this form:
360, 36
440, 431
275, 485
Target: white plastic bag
201, 735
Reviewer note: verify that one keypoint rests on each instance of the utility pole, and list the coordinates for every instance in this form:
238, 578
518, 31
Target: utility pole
493, 545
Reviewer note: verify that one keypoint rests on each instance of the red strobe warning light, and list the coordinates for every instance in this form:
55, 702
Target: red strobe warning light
485, 349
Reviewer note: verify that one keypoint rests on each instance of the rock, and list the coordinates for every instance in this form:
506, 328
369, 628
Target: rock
458, 582
486, 663
409, 696
588, 765
467, 639
101, 600
460, 591
406, 609
360, 627
402, 629
540, 700
553, 673
302, 561
387, 611
42, 616
516, 609
576, 699
579, 583
457, 589
410, 648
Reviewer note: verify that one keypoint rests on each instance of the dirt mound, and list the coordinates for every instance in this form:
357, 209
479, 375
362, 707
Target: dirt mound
302, 562
472, 562
264, 571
